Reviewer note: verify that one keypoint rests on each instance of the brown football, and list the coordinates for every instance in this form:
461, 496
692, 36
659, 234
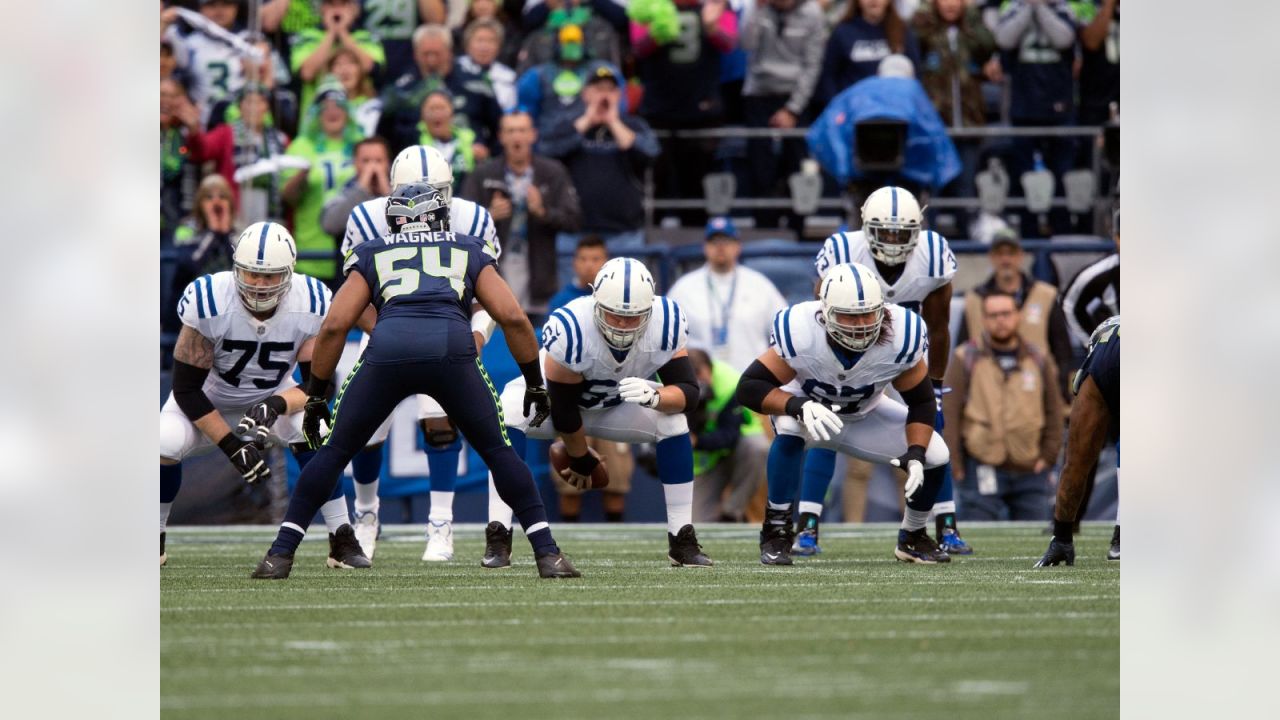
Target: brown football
560, 461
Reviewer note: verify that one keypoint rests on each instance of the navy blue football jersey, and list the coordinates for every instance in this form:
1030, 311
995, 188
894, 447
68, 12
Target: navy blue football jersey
1103, 365
423, 284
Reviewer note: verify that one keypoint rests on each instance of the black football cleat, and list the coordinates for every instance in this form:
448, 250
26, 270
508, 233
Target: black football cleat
776, 538
556, 565
345, 551
164, 558
497, 546
684, 550
1114, 552
915, 546
273, 567
1058, 552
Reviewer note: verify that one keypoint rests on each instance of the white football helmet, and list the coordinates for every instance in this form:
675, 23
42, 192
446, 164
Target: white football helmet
264, 249
623, 287
891, 220
422, 164
852, 289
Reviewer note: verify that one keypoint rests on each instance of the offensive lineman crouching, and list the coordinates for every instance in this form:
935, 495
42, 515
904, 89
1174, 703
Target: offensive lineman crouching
600, 352
831, 359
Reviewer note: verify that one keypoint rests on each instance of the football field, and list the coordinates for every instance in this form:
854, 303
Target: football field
849, 634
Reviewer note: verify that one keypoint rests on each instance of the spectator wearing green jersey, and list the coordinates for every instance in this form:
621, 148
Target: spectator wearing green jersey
329, 147
458, 144
313, 48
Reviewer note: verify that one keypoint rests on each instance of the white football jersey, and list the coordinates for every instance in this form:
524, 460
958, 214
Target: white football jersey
930, 265
216, 67
251, 358
368, 221
571, 338
800, 338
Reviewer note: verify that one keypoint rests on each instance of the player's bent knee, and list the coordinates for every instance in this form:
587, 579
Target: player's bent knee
937, 454
669, 426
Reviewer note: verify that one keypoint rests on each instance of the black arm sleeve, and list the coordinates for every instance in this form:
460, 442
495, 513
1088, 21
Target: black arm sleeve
565, 415
188, 390
678, 372
304, 369
921, 406
756, 383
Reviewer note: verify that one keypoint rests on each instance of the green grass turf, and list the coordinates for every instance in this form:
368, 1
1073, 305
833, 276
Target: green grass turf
849, 634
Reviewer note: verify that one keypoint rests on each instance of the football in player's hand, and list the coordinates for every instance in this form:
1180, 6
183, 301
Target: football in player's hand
560, 461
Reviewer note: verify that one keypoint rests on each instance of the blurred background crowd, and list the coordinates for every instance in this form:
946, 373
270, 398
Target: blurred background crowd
695, 135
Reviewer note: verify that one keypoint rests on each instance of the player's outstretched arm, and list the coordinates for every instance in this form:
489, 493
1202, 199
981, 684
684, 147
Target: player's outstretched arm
192, 360
936, 312
1086, 434
495, 296
348, 306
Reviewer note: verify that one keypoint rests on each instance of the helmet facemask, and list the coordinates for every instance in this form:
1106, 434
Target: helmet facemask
892, 242
858, 338
617, 337
260, 288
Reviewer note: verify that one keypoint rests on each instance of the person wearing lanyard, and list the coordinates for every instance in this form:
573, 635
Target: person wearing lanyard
729, 306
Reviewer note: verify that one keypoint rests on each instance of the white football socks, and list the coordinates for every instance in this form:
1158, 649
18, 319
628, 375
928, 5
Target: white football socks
679, 506
441, 507
164, 514
335, 513
367, 496
499, 511
915, 519
811, 507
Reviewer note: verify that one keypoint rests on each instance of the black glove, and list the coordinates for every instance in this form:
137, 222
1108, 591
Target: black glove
246, 457
578, 474
1058, 552
259, 419
535, 397
316, 409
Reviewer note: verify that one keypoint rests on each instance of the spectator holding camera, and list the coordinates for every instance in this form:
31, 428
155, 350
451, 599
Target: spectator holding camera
531, 198
1004, 418
606, 154
869, 31
372, 160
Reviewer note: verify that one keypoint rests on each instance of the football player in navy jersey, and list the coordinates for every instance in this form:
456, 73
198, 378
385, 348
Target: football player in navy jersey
1095, 415
422, 280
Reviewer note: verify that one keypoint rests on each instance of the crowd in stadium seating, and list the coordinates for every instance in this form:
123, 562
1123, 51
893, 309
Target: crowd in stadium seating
552, 112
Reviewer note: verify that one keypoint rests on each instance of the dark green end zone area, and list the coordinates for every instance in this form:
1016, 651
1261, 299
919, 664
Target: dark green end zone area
849, 634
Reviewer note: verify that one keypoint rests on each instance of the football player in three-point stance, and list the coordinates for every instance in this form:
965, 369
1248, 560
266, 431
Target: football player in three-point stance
419, 164
914, 268
599, 355
422, 280
824, 376
250, 326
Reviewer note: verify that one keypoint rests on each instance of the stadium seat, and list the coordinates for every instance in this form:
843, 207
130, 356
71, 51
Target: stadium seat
793, 276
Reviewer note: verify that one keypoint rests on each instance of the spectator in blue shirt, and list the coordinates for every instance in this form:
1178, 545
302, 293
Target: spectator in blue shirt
869, 32
588, 258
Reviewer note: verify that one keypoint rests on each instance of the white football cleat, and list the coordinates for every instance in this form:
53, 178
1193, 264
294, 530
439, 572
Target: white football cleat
439, 541
367, 526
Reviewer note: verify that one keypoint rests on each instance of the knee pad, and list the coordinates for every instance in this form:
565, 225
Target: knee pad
669, 426
439, 438
937, 454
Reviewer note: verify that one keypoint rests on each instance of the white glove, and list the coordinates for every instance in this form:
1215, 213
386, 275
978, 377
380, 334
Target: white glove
637, 390
913, 463
821, 421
